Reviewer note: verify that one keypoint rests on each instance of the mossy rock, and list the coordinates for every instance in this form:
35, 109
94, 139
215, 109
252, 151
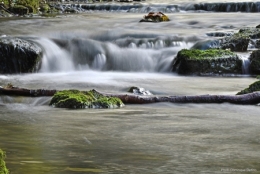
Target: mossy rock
252, 88
44, 8
19, 56
75, 99
254, 65
252, 32
207, 62
236, 42
3, 169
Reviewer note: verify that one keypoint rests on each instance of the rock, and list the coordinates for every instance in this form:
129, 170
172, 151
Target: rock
207, 62
252, 88
253, 33
236, 42
19, 9
258, 26
155, 17
257, 43
75, 99
254, 58
139, 91
18, 56
3, 169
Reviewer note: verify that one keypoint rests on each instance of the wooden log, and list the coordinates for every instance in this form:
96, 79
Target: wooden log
251, 98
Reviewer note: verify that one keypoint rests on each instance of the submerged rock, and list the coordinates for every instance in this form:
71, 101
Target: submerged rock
207, 62
75, 99
254, 65
18, 56
3, 169
252, 88
139, 91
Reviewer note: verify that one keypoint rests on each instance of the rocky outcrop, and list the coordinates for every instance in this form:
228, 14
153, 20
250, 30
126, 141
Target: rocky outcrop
18, 56
75, 99
207, 62
254, 58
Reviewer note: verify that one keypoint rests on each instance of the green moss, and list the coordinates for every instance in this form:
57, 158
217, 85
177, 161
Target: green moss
3, 169
252, 88
195, 54
76, 99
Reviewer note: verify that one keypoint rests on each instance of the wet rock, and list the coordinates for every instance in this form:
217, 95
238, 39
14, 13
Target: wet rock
254, 58
155, 17
257, 43
19, 56
252, 88
139, 91
75, 99
237, 42
258, 26
207, 62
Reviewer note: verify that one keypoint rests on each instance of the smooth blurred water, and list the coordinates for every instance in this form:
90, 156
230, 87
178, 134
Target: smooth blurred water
111, 52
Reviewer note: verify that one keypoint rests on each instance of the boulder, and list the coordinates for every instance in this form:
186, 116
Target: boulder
207, 62
237, 42
19, 9
75, 99
253, 33
254, 66
252, 88
18, 56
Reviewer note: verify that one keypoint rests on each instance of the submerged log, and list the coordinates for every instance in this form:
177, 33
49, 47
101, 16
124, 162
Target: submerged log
251, 98
15, 91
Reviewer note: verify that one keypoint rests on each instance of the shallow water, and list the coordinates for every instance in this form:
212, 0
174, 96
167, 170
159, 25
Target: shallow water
152, 138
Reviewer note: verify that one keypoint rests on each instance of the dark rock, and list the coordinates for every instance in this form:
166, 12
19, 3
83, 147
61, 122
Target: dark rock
254, 58
253, 33
207, 62
236, 42
257, 43
139, 91
258, 26
18, 56
19, 9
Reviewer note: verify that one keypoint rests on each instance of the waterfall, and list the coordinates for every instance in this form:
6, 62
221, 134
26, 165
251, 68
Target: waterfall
245, 63
55, 59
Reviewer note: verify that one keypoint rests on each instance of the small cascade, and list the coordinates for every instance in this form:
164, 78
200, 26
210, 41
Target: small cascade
55, 59
245, 63
165, 8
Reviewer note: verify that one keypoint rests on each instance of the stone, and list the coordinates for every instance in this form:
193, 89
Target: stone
139, 91
207, 62
75, 99
254, 66
252, 88
19, 56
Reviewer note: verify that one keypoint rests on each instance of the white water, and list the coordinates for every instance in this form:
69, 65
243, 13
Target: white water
111, 52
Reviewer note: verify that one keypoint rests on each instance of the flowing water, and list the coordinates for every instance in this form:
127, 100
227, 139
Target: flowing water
109, 50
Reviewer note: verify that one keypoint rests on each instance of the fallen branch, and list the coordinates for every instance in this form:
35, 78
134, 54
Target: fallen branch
251, 98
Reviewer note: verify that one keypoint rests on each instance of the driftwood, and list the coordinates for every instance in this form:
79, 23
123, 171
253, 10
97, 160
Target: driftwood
251, 98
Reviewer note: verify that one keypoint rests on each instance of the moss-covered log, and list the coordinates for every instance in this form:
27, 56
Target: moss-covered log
3, 169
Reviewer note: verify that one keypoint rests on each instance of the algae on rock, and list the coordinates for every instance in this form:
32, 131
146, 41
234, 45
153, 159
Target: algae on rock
207, 62
3, 169
76, 99
252, 88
